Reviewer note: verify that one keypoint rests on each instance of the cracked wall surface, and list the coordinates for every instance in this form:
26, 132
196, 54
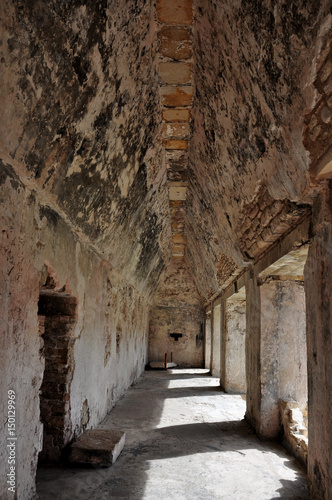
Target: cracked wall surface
151, 155
254, 68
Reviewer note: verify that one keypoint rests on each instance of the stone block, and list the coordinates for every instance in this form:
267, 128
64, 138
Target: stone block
177, 193
175, 73
175, 12
176, 96
176, 159
178, 130
97, 447
175, 43
176, 115
180, 175
178, 250
175, 144
178, 238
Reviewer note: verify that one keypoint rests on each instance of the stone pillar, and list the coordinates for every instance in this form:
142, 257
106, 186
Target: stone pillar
275, 351
208, 340
215, 355
253, 348
283, 351
234, 373
318, 287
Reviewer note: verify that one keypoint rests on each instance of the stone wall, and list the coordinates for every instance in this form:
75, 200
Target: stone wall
207, 344
254, 71
111, 324
216, 341
275, 352
81, 118
177, 309
318, 287
234, 345
283, 351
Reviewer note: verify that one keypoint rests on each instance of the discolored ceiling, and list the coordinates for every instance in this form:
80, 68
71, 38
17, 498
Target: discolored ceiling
167, 131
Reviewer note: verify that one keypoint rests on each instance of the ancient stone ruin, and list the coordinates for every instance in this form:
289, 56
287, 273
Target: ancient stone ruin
165, 183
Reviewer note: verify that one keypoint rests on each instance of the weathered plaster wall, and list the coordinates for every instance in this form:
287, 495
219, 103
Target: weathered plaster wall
207, 346
234, 355
280, 333
110, 348
177, 308
216, 341
254, 66
318, 287
81, 114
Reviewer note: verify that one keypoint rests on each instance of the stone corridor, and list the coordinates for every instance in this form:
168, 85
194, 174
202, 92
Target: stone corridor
185, 440
166, 192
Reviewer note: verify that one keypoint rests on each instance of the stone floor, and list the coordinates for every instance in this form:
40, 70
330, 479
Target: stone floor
185, 440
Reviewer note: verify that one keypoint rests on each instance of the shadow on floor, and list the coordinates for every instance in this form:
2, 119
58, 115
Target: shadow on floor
181, 461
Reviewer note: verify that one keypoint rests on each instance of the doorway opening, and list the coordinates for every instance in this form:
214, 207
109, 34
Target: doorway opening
57, 320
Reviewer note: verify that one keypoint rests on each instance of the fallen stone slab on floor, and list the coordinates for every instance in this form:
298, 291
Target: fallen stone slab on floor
161, 364
97, 447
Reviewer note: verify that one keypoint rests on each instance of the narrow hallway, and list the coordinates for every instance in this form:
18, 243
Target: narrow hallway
185, 439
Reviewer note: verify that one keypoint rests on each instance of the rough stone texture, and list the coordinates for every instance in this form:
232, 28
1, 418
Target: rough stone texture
294, 432
82, 122
216, 341
177, 309
234, 348
318, 287
251, 93
263, 220
110, 349
283, 352
318, 123
97, 447
207, 344
93, 191
175, 43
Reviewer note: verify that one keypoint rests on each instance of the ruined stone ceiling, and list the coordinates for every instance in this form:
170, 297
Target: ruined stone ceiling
167, 131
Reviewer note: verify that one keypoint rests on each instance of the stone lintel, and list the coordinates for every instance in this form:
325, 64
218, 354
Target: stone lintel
175, 43
176, 130
178, 249
176, 96
176, 115
177, 193
177, 184
175, 73
178, 238
175, 12
177, 144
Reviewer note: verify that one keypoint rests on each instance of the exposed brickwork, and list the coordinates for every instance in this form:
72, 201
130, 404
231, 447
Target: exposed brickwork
57, 328
175, 71
318, 123
225, 266
263, 220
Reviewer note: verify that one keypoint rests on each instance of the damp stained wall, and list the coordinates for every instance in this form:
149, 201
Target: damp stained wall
110, 337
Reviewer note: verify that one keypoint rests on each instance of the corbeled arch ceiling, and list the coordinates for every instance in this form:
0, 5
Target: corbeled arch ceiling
168, 131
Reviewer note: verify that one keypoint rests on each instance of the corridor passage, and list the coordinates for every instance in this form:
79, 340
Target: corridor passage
185, 440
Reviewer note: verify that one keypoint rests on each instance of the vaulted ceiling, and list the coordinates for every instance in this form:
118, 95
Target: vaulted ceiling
167, 132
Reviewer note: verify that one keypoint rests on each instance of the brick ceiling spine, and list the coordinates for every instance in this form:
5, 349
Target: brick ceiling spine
175, 22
